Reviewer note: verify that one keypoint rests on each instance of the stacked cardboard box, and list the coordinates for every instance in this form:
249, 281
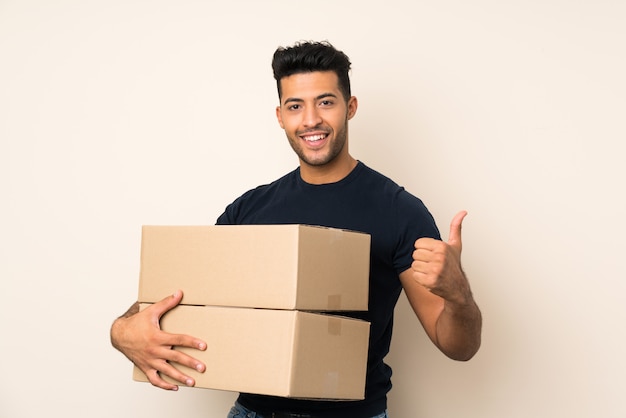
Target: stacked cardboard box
265, 298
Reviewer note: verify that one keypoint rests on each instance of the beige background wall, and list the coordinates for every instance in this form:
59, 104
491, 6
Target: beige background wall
115, 114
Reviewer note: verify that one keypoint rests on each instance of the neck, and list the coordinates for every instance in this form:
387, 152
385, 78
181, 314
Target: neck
334, 171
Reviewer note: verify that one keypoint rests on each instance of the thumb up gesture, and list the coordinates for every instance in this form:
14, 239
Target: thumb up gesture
437, 265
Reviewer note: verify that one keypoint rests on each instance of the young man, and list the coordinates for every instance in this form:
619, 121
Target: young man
331, 188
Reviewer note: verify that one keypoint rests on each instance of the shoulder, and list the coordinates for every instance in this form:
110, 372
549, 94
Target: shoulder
253, 198
403, 209
379, 182
264, 191
388, 189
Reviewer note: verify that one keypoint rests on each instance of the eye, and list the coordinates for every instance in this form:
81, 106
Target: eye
326, 103
294, 107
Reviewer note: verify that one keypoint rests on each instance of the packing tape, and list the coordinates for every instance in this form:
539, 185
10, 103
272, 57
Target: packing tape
334, 325
336, 235
334, 302
331, 385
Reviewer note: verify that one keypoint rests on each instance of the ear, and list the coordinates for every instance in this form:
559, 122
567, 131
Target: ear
279, 117
353, 104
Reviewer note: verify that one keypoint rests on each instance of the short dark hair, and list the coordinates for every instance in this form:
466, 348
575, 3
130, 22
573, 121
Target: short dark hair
304, 57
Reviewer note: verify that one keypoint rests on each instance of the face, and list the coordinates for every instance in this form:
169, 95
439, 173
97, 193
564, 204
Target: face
314, 115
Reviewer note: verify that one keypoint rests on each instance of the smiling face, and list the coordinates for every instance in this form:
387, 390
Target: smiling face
314, 115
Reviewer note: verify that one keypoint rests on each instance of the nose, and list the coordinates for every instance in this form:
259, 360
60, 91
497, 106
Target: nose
312, 117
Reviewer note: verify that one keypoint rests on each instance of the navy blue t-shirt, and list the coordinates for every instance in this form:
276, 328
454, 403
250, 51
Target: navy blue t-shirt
364, 201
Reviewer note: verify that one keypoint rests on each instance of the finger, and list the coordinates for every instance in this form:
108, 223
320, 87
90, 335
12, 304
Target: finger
454, 239
156, 380
182, 340
176, 356
430, 267
425, 256
163, 364
179, 357
157, 377
170, 302
428, 244
166, 304
172, 372
168, 362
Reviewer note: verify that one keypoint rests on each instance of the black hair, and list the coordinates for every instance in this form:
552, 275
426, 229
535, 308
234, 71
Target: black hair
304, 57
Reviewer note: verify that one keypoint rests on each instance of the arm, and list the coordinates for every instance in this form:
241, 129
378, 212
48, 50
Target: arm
440, 294
138, 336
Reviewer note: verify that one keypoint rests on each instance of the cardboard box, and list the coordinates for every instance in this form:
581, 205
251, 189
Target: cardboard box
274, 352
260, 266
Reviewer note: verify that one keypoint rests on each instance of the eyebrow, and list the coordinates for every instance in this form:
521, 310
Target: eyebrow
319, 97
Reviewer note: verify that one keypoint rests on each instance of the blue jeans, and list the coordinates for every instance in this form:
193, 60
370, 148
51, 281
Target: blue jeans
238, 411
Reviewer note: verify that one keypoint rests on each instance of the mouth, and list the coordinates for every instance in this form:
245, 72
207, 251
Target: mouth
314, 138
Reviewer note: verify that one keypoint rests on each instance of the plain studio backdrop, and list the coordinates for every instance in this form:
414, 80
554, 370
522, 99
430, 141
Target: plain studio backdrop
115, 114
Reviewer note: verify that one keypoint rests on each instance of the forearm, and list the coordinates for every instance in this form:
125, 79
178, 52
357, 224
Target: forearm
440, 294
459, 329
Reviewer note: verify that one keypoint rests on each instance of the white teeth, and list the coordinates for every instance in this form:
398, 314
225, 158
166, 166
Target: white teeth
314, 138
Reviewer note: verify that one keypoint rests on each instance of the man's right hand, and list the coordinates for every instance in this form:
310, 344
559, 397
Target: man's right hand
139, 337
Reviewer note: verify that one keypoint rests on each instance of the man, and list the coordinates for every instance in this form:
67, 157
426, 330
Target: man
331, 188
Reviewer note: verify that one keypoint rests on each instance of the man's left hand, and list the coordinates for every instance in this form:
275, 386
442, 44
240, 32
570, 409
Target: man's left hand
437, 265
